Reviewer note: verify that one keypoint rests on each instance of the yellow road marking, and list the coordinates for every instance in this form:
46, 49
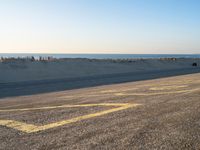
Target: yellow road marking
100, 93
145, 94
29, 128
118, 90
108, 91
64, 106
157, 93
168, 87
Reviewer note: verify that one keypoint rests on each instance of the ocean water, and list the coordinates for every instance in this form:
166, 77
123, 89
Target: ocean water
103, 56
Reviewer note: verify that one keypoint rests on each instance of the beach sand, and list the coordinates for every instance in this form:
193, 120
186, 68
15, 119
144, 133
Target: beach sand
17, 71
21, 77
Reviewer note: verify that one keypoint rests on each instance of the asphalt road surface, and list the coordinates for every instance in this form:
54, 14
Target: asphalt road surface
153, 114
53, 85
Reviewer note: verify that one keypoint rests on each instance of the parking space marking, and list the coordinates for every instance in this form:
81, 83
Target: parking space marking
30, 128
124, 92
157, 93
170, 87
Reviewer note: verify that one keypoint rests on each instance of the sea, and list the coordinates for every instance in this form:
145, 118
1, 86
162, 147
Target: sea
100, 56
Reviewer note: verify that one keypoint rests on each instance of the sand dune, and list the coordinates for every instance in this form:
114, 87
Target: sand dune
16, 71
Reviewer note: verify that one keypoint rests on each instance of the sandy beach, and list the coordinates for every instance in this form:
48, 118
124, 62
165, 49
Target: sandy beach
19, 77
17, 71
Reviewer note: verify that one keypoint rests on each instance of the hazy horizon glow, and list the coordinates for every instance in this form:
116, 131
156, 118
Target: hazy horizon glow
100, 26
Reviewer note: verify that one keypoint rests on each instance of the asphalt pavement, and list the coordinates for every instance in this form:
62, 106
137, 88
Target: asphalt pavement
153, 114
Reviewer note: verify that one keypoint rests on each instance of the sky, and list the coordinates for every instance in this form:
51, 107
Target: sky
100, 26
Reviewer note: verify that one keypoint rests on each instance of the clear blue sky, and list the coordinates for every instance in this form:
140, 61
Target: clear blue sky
100, 26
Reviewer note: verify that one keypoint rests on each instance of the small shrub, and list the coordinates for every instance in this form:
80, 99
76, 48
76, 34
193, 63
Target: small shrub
194, 64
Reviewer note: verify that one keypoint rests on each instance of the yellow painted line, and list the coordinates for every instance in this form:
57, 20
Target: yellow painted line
147, 94
82, 96
172, 87
29, 128
100, 93
157, 93
107, 91
64, 106
118, 90
18, 125
169, 85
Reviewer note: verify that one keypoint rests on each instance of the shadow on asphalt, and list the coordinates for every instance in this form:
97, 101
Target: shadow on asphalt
54, 85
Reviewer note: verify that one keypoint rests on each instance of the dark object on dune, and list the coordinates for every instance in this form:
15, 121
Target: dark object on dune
194, 64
